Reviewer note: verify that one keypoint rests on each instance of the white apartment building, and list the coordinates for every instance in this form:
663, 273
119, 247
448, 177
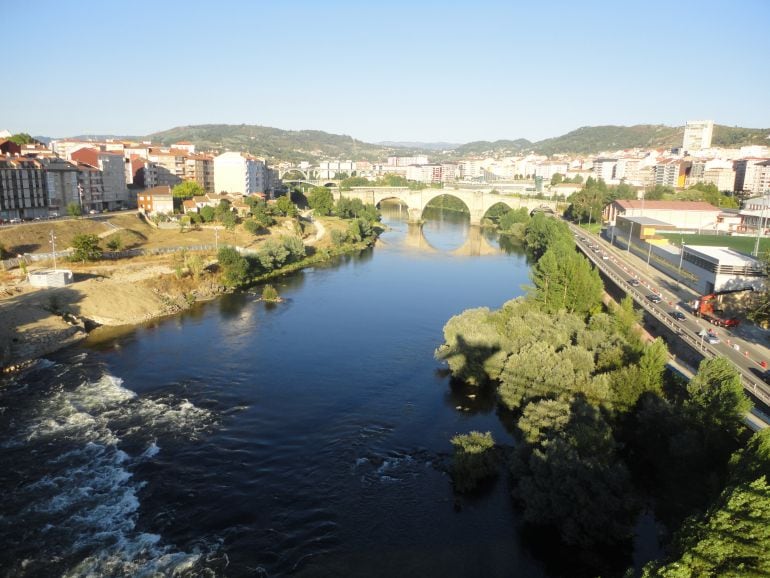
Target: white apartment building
746, 174
549, 169
406, 161
604, 169
331, 169
697, 135
425, 173
241, 173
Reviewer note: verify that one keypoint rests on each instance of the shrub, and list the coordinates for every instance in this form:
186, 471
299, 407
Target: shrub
474, 460
269, 293
86, 248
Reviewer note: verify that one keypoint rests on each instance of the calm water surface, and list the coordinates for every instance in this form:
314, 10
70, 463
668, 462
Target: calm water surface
309, 438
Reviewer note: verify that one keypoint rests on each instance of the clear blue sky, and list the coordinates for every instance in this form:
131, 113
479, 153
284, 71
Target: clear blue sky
395, 70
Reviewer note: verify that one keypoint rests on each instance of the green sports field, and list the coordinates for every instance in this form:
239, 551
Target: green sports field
742, 244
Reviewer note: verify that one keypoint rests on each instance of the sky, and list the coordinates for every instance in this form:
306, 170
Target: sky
394, 70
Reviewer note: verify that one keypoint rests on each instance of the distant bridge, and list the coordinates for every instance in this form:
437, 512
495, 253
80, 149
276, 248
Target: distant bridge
478, 202
313, 182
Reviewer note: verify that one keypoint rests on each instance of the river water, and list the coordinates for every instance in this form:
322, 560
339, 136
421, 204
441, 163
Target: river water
308, 438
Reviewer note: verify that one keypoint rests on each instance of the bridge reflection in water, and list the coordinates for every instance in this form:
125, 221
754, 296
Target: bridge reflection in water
476, 244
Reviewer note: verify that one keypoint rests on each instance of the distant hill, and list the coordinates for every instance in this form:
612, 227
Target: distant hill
483, 147
313, 145
427, 146
594, 139
275, 144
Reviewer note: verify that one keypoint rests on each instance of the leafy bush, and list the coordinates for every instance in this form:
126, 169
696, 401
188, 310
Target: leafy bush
234, 266
269, 293
86, 248
474, 460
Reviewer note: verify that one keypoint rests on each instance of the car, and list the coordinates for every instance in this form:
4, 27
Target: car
633, 282
712, 339
15, 220
654, 297
678, 315
93, 212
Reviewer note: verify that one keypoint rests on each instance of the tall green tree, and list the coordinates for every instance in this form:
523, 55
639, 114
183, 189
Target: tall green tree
717, 398
187, 190
321, 200
234, 265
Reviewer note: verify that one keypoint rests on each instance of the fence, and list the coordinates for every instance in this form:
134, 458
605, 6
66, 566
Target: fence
112, 255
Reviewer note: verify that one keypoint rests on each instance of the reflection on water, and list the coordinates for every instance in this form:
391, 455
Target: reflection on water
306, 439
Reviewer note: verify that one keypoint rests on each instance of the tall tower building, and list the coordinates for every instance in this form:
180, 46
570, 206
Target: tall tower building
697, 135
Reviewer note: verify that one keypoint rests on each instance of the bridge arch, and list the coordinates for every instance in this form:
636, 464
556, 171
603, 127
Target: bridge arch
426, 200
290, 171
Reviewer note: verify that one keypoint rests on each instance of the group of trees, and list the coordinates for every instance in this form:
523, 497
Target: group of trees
558, 178
272, 254
590, 201
600, 427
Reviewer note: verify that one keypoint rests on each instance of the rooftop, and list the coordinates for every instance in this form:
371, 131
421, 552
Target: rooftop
723, 255
668, 205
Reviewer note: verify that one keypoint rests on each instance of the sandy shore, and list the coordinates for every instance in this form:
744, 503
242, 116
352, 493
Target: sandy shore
34, 322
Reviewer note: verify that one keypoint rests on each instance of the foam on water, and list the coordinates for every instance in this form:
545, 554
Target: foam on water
84, 505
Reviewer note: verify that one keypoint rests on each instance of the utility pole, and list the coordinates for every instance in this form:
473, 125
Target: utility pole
53, 248
681, 258
630, 234
649, 252
761, 225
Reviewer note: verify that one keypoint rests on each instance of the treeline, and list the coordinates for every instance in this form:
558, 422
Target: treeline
600, 431
589, 202
276, 254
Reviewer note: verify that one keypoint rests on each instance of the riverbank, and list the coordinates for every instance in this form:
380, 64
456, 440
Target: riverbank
36, 322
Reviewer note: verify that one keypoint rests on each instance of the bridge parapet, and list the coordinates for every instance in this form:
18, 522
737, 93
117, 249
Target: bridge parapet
478, 202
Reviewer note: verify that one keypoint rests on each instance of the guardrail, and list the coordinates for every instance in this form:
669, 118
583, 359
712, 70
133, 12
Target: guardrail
759, 390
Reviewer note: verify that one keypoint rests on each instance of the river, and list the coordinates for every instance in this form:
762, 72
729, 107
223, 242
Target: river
308, 438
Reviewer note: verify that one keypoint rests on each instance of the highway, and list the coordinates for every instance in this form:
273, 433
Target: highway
622, 268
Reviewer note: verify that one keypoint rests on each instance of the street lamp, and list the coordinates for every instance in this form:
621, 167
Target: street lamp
760, 226
681, 258
630, 234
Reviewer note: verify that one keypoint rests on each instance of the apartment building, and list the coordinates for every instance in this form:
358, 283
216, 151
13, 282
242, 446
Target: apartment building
114, 194
746, 174
604, 169
169, 165
406, 161
200, 168
61, 181
23, 193
333, 169
666, 173
241, 173
90, 187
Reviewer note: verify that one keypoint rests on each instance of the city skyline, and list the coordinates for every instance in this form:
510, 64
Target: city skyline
432, 72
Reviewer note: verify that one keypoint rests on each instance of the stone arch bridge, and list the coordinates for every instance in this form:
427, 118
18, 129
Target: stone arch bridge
478, 202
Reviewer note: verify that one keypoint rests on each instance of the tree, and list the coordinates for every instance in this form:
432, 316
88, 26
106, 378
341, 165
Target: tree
285, 206
22, 138
652, 364
272, 255
187, 190
473, 460
234, 265
321, 200
556, 179
228, 219
207, 214
294, 246
716, 396
74, 210
252, 227
86, 248
565, 280
568, 474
